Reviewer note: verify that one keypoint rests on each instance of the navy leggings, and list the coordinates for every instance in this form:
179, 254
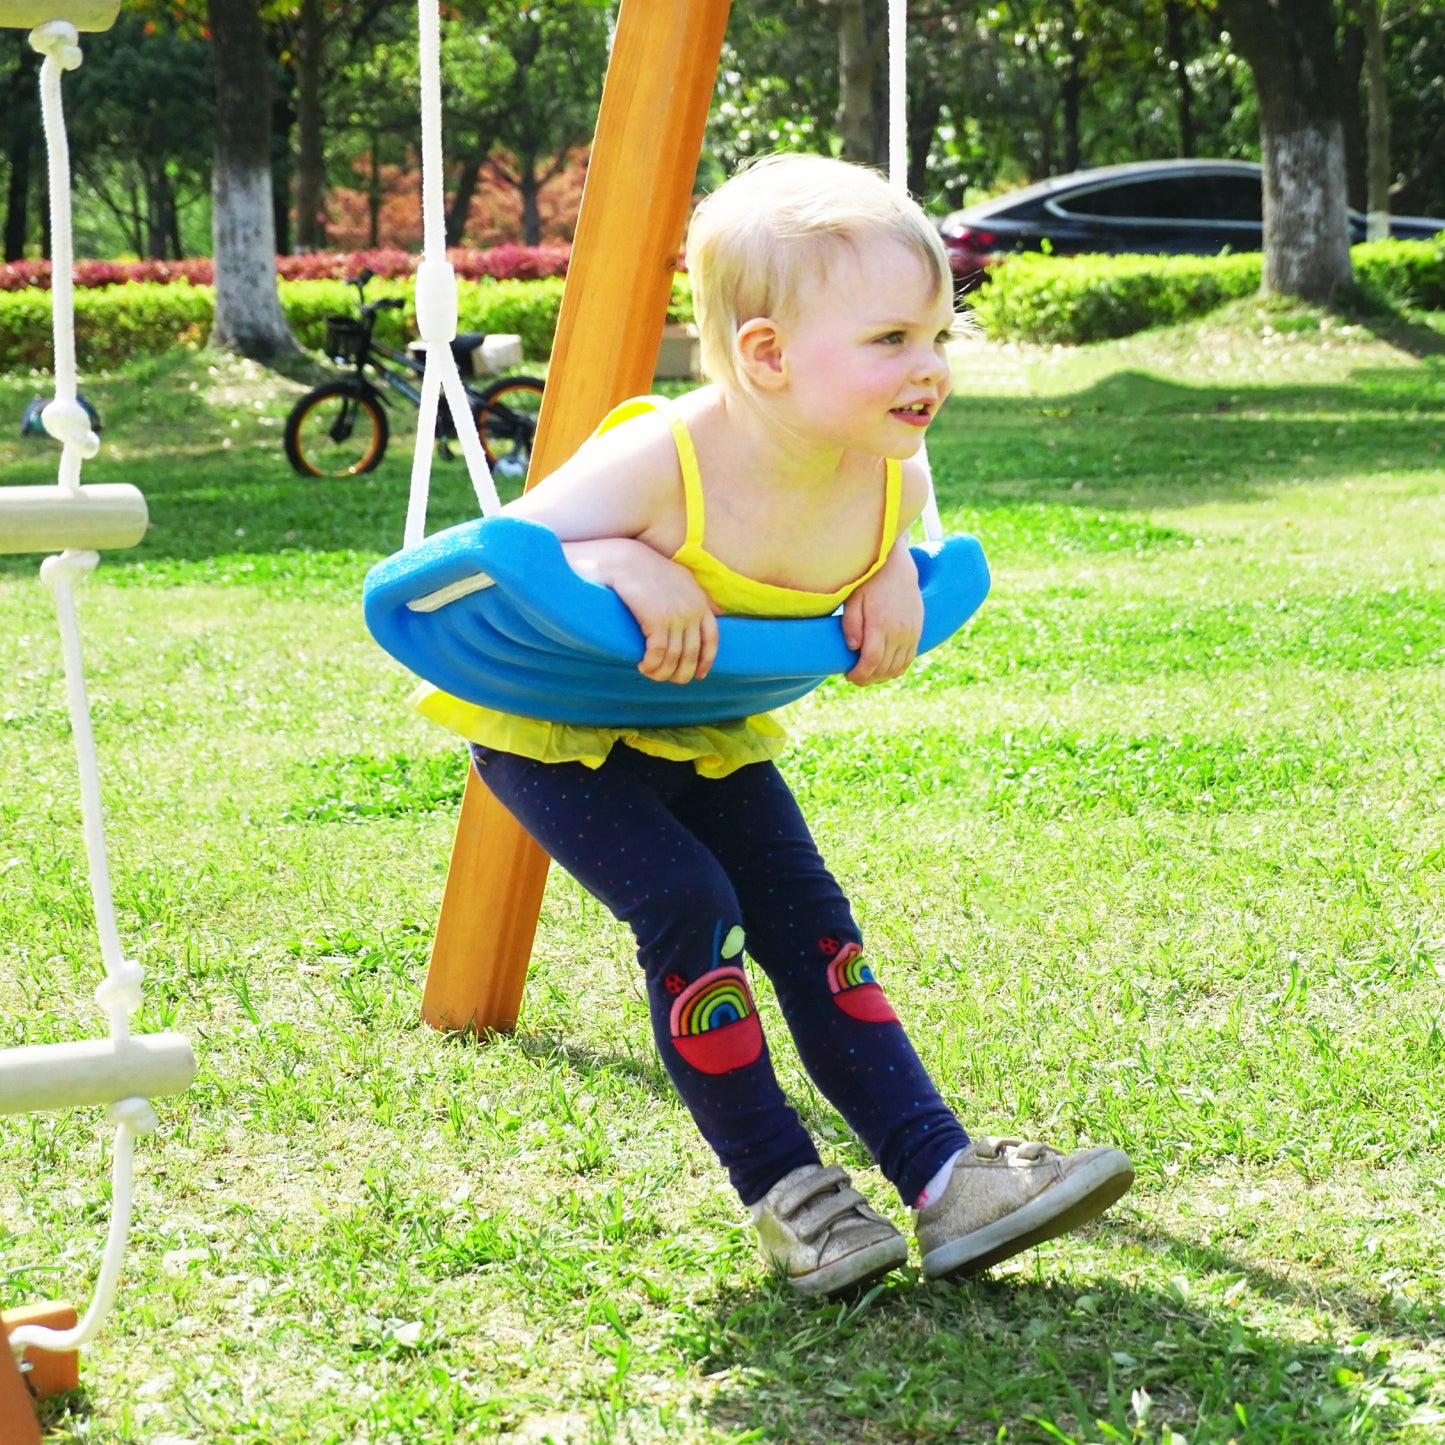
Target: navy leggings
699, 868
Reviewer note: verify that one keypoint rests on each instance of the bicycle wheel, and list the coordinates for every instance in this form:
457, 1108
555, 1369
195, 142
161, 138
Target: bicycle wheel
336, 430
506, 417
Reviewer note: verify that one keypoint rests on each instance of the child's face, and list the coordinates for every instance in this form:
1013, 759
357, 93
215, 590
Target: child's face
864, 351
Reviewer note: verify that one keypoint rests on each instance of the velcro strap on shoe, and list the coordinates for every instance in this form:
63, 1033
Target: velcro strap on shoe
797, 1194
1009, 1149
815, 1204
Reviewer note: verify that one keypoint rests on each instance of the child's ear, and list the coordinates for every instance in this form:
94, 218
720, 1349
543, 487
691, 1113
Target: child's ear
760, 353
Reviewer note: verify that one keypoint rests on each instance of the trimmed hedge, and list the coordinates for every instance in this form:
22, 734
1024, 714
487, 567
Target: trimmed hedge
1403, 273
112, 324
1049, 299
115, 323
505, 263
1078, 299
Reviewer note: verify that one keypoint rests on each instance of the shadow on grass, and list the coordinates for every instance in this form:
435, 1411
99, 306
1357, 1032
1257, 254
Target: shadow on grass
1026, 1359
1134, 440
1364, 1312
593, 1065
1398, 328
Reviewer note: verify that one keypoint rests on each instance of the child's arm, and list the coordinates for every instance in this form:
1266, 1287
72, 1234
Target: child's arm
883, 619
614, 505
674, 613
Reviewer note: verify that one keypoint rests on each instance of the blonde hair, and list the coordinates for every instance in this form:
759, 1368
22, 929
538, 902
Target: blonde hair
758, 240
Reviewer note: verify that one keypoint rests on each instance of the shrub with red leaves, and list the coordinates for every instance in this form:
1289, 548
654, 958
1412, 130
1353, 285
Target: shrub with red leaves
506, 263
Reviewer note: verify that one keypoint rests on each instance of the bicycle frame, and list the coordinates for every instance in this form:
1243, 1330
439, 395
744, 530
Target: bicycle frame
369, 369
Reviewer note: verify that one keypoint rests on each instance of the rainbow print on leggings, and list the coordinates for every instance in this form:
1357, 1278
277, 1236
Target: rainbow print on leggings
714, 1024
855, 990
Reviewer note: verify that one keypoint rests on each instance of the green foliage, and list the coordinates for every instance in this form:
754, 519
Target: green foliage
679, 305
117, 323
1402, 273
307, 304
1079, 299
526, 308
1149, 854
112, 324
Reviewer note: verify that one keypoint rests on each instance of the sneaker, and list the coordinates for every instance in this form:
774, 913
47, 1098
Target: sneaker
1006, 1196
816, 1229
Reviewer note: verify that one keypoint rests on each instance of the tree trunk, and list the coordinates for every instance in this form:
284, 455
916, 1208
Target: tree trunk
310, 160
243, 229
925, 110
1352, 62
1072, 96
160, 208
1174, 21
461, 204
24, 133
1297, 76
528, 186
17, 196
856, 56
374, 195
1377, 125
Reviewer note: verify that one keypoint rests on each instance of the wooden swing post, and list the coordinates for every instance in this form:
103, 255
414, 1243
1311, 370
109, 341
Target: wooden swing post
634, 210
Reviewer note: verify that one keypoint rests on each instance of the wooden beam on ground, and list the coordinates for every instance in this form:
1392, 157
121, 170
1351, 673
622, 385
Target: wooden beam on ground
18, 1425
629, 232
48, 1372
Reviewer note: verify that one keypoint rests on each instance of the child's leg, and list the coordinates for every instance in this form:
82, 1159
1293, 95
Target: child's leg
613, 829
800, 930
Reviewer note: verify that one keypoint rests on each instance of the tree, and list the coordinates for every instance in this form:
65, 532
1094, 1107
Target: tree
372, 107
1292, 48
317, 41
248, 309
777, 85
1416, 63
862, 44
20, 128
139, 115
555, 59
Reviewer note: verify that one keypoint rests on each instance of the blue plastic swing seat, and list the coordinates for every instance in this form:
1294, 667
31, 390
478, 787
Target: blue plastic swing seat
491, 612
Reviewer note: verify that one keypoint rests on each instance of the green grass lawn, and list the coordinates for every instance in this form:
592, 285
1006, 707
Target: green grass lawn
1151, 854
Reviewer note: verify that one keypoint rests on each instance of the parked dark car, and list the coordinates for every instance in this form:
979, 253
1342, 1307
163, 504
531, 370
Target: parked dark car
1151, 207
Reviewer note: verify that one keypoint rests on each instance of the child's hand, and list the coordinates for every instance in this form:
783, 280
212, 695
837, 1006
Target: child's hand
677, 620
674, 613
883, 619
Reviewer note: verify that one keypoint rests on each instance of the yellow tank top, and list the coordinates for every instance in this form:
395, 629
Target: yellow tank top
714, 749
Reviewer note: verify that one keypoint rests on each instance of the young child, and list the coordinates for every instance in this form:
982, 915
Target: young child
783, 489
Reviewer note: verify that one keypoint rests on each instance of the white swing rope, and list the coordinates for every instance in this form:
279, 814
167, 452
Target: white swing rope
67, 421
898, 175
436, 303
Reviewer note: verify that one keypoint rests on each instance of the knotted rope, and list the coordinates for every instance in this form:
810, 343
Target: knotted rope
119, 995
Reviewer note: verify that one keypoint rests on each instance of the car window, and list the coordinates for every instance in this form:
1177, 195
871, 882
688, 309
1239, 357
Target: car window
1175, 198
1235, 198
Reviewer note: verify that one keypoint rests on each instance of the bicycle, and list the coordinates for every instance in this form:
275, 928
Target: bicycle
340, 428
